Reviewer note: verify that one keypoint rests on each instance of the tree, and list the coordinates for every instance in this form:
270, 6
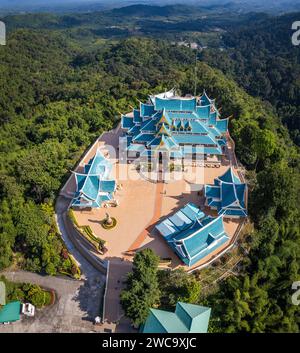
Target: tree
246, 147
264, 144
37, 296
177, 286
142, 290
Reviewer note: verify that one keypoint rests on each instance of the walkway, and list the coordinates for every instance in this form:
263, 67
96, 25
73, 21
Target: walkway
120, 267
157, 214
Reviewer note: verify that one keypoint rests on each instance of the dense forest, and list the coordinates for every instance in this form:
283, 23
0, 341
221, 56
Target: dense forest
262, 59
56, 97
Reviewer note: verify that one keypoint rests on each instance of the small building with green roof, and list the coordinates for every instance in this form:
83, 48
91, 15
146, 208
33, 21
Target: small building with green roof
10, 312
187, 318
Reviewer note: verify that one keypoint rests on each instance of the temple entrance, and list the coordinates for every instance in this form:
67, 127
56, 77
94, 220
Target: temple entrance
160, 157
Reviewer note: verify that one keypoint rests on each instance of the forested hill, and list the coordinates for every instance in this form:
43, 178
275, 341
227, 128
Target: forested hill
56, 98
136, 19
262, 59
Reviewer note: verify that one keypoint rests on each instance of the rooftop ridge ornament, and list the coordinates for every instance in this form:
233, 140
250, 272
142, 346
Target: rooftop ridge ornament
163, 130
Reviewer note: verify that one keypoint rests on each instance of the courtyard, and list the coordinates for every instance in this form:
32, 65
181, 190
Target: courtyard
142, 203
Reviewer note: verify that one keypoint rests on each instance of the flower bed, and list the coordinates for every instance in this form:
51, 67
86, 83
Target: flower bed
88, 234
109, 226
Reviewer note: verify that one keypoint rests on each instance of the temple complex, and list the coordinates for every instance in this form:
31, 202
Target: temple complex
168, 127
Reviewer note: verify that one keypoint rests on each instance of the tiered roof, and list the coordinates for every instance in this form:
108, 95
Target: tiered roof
180, 120
187, 318
192, 235
227, 195
93, 186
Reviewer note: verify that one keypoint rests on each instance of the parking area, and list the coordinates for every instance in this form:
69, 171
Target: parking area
77, 304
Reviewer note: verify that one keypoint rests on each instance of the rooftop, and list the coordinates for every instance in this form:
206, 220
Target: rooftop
183, 120
93, 186
187, 318
227, 195
192, 235
10, 312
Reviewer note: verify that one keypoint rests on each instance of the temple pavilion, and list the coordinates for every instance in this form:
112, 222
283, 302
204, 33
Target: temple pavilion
192, 235
94, 186
187, 318
175, 127
227, 195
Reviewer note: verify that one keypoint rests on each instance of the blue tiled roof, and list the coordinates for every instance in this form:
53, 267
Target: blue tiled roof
175, 104
183, 115
230, 197
205, 100
200, 150
166, 141
185, 122
205, 240
146, 109
203, 111
180, 220
108, 185
229, 177
149, 125
127, 122
136, 116
234, 212
212, 191
222, 125
143, 137
134, 130
193, 236
93, 182
193, 139
213, 150
135, 147
212, 120
198, 127
214, 204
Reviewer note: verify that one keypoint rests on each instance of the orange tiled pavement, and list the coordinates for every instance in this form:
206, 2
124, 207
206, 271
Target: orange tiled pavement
157, 213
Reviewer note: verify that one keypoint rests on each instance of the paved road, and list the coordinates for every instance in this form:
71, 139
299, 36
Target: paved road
77, 304
84, 253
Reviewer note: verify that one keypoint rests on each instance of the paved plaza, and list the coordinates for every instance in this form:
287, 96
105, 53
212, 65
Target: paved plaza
142, 203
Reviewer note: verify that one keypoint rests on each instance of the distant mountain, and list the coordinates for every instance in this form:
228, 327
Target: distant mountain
260, 56
17, 6
150, 10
